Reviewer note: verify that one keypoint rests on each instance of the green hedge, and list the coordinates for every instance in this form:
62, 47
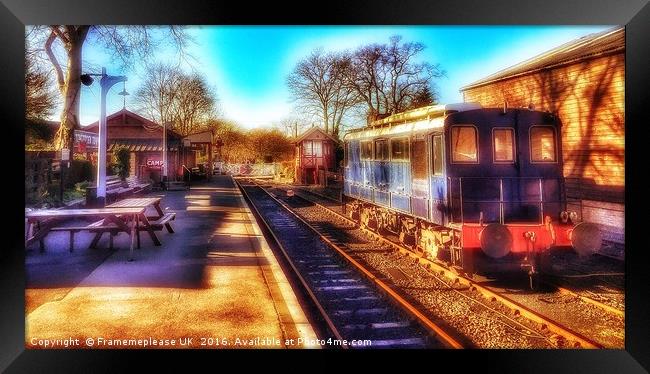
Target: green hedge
121, 161
79, 171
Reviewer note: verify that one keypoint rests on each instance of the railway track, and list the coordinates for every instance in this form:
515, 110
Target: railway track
568, 336
601, 284
357, 307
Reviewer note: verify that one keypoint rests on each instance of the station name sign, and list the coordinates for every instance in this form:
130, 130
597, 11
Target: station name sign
154, 163
85, 141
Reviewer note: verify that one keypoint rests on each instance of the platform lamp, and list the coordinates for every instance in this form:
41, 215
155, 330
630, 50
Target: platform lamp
106, 82
124, 94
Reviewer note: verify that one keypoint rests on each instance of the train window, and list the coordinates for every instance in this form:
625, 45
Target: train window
366, 150
399, 149
542, 144
437, 155
419, 159
464, 144
503, 145
381, 150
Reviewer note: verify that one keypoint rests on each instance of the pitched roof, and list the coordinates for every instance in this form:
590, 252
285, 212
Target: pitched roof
124, 113
312, 130
589, 46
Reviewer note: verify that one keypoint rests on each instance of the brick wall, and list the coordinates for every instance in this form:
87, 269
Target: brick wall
588, 97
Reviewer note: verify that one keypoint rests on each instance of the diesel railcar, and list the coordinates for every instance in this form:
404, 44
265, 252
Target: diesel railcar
480, 188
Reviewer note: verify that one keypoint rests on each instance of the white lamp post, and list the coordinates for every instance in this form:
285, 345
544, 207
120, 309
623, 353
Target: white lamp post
106, 82
164, 155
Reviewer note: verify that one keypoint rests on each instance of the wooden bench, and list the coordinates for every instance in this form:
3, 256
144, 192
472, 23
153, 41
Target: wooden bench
116, 188
132, 182
163, 221
96, 227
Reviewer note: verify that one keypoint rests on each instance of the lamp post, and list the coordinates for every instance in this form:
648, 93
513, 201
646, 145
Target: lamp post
164, 155
164, 170
106, 82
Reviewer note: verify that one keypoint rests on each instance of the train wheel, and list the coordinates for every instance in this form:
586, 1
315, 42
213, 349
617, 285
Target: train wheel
463, 259
382, 226
407, 235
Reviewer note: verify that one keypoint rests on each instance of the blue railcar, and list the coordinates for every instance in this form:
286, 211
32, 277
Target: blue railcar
457, 180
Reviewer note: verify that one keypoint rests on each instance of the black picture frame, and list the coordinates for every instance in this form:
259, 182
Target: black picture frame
634, 14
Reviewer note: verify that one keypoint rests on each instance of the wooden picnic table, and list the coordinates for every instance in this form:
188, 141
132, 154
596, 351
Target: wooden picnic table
137, 202
42, 222
152, 223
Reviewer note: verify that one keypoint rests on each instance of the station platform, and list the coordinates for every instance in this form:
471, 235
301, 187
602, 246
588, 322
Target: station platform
214, 283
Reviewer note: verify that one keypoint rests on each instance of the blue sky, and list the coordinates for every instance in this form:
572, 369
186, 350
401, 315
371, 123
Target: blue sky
248, 65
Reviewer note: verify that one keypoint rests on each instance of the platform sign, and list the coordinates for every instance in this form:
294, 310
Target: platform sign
85, 141
153, 163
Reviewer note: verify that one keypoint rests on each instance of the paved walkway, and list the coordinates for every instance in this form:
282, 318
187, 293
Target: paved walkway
214, 280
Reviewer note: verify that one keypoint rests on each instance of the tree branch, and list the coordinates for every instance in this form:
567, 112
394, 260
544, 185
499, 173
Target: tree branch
57, 67
64, 39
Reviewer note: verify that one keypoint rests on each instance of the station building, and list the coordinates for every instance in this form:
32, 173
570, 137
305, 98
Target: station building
144, 140
583, 82
314, 155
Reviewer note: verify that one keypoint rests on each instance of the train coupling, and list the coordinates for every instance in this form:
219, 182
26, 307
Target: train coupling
529, 261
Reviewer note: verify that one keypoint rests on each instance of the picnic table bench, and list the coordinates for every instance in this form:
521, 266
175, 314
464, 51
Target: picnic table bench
137, 186
112, 220
153, 223
116, 188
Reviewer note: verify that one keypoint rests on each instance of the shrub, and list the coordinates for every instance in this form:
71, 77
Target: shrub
79, 171
121, 161
81, 186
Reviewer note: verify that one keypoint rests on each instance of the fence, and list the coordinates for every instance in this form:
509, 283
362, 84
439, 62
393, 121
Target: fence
38, 175
252, 170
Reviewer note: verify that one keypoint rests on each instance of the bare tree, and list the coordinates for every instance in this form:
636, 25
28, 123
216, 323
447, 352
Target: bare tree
169, 96
157, 95
345, 97
265, 144
40, 99
365, 74
317, 86
387, 77
408, 79
127, 43
235, 146
194, 103
295, 125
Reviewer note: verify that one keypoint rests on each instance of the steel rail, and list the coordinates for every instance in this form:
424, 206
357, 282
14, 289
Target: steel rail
304, 283
586, 299
439, 332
